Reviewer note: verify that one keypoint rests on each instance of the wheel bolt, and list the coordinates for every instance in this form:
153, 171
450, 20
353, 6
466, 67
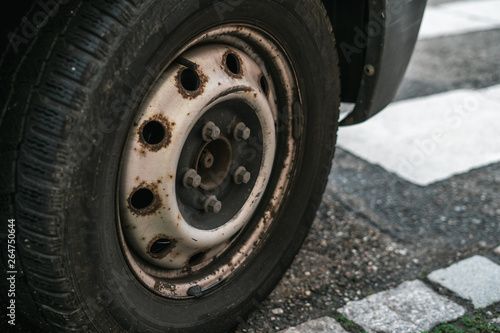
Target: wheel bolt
242, 176
210, 132
241, 132
207, 160
191, 179
212, 205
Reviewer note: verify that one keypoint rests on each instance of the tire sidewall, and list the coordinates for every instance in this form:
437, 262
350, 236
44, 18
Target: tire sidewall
112, 297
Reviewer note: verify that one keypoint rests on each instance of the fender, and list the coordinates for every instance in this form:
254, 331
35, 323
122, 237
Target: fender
375, 41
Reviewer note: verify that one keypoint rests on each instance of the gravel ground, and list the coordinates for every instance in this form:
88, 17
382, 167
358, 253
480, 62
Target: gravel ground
373, 231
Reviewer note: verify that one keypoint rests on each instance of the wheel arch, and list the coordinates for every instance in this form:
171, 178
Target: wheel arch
346, 17
390, 46
375, 40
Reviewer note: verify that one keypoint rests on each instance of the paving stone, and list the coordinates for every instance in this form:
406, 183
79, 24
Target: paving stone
411, 307
476, 279
321, 325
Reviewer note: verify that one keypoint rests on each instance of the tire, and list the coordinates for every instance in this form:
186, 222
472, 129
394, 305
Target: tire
106, 138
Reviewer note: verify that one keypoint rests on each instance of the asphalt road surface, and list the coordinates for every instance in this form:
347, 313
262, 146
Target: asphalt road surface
397, 206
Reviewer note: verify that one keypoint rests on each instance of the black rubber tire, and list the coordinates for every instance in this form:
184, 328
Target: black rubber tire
67, 105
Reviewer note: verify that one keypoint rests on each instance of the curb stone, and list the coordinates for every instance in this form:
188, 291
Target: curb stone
476, 279
413, 306
321, 325
410, 307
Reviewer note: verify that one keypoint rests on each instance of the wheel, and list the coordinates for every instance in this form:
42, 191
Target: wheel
171, 158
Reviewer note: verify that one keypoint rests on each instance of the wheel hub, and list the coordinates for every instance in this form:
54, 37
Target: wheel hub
212, 162
198, 158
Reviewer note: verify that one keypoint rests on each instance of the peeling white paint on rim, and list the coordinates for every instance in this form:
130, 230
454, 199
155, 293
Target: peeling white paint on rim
160, 167
212, 271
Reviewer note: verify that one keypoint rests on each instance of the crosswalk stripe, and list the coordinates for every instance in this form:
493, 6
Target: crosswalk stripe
427, 139
459, 18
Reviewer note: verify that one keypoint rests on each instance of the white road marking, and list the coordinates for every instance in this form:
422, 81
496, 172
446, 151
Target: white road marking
427, 139
461, 17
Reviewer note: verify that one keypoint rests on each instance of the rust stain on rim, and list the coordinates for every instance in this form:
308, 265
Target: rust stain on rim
162, 254
239, 63
167, 133
149, 209
202, 80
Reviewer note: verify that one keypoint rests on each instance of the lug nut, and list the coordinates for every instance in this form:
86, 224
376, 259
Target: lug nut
212, 205
191, 179
242, 176
241, 132
210, 132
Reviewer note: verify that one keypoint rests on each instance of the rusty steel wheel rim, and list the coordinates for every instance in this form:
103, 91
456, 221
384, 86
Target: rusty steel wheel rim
213, 137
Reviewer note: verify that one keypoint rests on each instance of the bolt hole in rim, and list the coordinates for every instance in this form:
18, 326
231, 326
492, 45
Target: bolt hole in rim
264, 84
183, 244
233, 63
190, 79
196, 258
142, 198
153, 132
160, 246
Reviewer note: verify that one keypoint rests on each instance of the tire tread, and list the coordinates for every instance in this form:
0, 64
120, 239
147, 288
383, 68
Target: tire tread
52, 78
